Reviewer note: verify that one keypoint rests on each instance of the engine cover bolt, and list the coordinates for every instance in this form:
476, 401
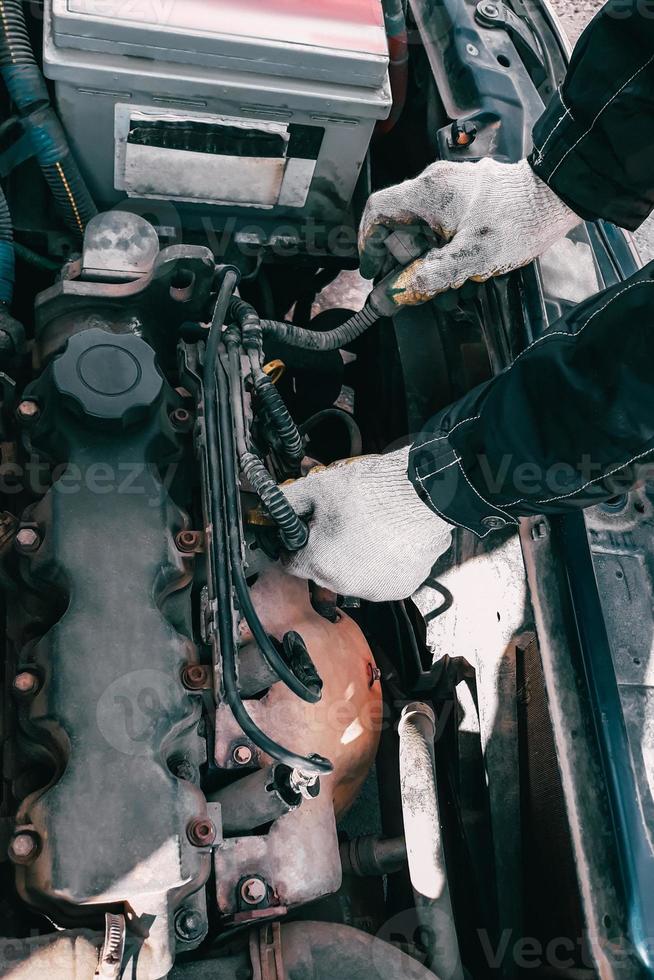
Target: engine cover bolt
201, 833
23, 847
195, 677
490, 10
242, 755
188, 542
189, 925
181, 419
254, 891
28, 539
28, 410
26, 682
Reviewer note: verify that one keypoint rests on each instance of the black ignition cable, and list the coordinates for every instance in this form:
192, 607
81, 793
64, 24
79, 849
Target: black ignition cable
225, 551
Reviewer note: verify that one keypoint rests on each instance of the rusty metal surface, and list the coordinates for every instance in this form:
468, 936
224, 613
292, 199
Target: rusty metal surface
344, 726
298, 858
108, 645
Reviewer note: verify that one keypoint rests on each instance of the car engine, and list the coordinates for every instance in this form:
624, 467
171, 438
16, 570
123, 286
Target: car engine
211, 769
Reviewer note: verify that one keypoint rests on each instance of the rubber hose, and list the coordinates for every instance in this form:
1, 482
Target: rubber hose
424, 839
292, 529
398, 69
28, 91
248, 320
7, 253
321, 340
279, 417
225, 551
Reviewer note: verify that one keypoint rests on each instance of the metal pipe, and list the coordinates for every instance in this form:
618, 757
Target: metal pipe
367, 857
422, 830
257, 799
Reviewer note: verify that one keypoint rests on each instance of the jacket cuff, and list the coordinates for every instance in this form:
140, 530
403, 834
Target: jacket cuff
567, 156
437, 471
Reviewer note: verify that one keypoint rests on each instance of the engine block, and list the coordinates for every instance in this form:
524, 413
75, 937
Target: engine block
111, 706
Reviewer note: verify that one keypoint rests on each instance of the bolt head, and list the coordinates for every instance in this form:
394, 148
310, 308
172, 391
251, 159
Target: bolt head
195, 677
254, 891
201, 833
26, 682
189, 925
188, 541
28, 410
24, 847
28, 539
242, 755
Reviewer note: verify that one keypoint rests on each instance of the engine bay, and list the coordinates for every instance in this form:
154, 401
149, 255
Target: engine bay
212, 769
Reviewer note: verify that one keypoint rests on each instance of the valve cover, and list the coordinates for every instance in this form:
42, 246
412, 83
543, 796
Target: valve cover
111, 711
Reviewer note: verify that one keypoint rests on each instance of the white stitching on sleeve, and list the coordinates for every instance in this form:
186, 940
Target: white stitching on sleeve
604, 107
511, 519
598, 479
449, 520
427, 476
573, 336
473, 418
443, 468
538, 153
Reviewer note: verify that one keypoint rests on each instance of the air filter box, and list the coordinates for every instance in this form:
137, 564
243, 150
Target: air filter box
248, 106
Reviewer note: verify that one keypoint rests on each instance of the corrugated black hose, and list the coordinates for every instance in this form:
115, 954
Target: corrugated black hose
272, 408
7, 253
321, 340
225, 552
293, 530
28, 91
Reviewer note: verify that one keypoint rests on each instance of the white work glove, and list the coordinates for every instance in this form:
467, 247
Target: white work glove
493, 217
370, 534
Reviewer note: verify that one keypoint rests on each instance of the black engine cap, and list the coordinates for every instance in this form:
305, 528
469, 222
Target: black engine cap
111, 378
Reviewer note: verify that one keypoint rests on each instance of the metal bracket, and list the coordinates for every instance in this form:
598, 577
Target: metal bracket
495, 14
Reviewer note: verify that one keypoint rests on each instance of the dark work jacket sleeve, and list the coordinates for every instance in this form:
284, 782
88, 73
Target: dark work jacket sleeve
569, 424
594, 145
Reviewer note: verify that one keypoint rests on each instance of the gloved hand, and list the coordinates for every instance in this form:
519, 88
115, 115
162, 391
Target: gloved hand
494, 217
370, 534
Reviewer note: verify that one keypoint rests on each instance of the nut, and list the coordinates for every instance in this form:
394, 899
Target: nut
28, 539
28, 410
24, 847
195, 677
181, 419
254, 891
189, 925
26, 682
189, 542
242, 755
201, 833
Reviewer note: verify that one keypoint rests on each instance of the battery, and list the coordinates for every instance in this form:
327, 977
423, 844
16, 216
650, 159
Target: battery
225, 106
